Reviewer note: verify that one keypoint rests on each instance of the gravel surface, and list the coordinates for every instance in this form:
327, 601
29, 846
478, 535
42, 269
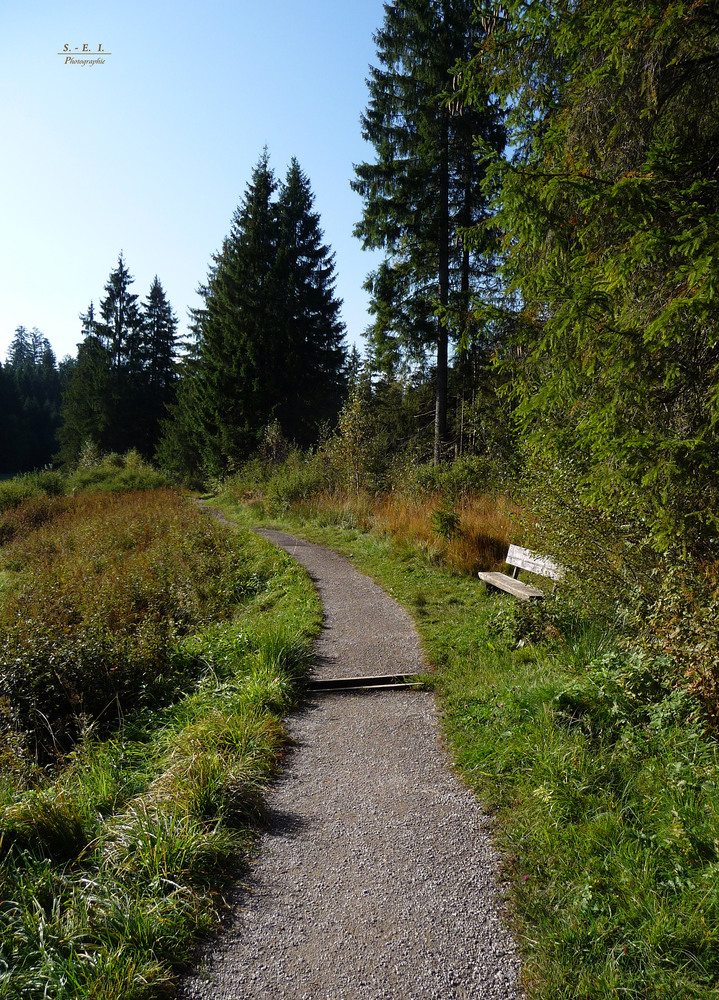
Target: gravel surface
376, 877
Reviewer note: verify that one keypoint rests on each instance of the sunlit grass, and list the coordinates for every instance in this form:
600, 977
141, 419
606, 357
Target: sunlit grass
598, 773
113, 860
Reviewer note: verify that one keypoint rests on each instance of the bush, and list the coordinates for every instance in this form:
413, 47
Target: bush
115, 474
623, 689
106, 590
47, 482
681, 627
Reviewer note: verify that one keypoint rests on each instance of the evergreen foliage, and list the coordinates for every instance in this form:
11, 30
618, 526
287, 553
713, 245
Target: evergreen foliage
125, 372
270, 344
424, 189
159, 370
609, 208
239, 356
311, 328
31, 384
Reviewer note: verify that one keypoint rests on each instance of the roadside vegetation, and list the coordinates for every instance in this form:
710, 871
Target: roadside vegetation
585, 723
148, 657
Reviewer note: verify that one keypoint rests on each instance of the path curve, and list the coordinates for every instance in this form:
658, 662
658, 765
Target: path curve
376, 878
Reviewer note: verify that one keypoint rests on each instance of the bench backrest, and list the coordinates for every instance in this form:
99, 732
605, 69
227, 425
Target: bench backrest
541, 565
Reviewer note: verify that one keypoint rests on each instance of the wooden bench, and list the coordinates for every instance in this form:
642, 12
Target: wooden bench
520, 558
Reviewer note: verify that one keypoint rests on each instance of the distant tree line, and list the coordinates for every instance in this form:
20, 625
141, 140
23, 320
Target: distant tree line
31, 388
266, 349
125, 373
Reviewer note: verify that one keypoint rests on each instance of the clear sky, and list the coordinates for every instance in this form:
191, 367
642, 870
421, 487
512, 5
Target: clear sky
150, 152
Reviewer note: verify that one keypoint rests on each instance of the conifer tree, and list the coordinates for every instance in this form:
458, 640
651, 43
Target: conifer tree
313, 334
159, 338
269, 340
86, 405
609, 208
31, 402
120, 332
157, 380
124, 376
120, 324
239, 357
424, 187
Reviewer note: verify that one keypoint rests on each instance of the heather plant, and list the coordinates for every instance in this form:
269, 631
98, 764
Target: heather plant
104, 590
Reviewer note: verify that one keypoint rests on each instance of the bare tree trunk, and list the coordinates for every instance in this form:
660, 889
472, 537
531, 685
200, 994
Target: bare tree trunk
440, 413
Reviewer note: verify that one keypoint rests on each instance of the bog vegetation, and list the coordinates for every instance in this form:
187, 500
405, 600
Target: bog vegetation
148, 656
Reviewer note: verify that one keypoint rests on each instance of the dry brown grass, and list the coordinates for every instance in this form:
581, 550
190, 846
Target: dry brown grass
104, 587
479, 542
485, 527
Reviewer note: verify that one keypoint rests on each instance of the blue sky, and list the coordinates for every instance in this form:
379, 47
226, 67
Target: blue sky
149, 153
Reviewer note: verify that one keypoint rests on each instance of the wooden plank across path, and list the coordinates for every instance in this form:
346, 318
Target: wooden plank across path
394, 682
376, 878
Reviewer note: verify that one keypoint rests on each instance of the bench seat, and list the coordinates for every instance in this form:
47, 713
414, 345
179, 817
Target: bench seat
523, 591
520, 558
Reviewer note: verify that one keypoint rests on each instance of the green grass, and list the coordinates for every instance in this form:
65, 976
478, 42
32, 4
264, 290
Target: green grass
599, 774
94, 473
113, 859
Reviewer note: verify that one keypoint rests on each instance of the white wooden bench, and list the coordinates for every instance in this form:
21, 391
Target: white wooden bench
520, 558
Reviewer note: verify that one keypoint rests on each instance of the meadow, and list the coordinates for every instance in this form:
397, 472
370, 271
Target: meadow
149, 655
151, 661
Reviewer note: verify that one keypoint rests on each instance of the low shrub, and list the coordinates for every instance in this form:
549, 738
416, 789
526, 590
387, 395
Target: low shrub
25, 517
17, 490
105, 591
680, 627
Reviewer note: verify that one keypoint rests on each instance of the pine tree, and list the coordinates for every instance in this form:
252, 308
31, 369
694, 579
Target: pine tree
159, 338
124, 376
311, 332
157, 379
239, 360
424, 188
32, 401
119, 330
87, 412
120, 325
270, 343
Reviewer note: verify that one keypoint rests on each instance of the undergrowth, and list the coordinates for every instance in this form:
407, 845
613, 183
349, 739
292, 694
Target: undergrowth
112, 473
105, 587
114, 853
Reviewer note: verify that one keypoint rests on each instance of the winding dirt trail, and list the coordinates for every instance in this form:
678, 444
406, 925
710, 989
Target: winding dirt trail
376, 877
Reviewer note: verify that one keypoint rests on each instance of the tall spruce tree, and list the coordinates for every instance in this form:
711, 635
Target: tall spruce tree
239, 358
86, 404
424, 188
158, 378
269, 340
310, 328
121, 332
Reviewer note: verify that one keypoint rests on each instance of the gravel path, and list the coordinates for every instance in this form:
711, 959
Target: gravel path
376, 879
